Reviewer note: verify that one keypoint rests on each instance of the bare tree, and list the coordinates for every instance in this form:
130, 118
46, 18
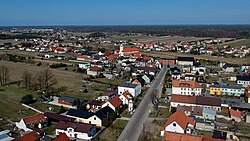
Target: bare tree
4, 75
154, 99
27, 80
46, 80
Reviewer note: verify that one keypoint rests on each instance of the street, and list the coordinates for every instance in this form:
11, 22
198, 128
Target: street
135, 125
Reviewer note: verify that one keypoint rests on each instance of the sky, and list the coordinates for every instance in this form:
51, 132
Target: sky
123, 12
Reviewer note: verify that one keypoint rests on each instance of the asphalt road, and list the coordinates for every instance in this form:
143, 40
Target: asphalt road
135, 125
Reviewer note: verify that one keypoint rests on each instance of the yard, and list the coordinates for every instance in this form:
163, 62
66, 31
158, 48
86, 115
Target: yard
240, 42
109, 81
113, 132
160, 113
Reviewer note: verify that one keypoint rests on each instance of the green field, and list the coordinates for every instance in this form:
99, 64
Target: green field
10, 106
241, 42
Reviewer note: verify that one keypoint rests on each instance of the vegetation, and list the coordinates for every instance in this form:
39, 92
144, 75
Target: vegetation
4, 75
27, 99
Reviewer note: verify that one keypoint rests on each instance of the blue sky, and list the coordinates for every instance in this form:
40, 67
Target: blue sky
123, 12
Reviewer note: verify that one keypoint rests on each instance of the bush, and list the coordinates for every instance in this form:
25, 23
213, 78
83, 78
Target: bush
27, 99
58, 65
66, 69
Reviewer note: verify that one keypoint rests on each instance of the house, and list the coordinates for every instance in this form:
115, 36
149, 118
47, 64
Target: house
54, 117
227, 90
184, 125
95, 104
147, 70
201, 101
76, 130
66, 100
138, 81
219, 135
235, 115
185, 87
95, 118
198, 112
48, 56
125, 97
185, 61
171, 136
244, 67
228, 68
30, 122
107, 96
114, 103
175, 73
146, 78
200, 69
82, 58
32, 136
134, 89
61, 137
84, 65
5, 135
94, 70
248, 93
243, 80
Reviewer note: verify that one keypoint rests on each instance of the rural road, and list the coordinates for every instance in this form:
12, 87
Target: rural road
135, 125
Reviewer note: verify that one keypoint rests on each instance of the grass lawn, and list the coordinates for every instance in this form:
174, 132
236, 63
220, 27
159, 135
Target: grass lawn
45, 107
241, 42
164, 104
113, 132
10, 106
94, 90
109, 81
50, 130
161, 113
243, 127
125, 113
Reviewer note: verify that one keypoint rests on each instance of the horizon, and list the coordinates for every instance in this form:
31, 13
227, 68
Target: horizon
122, 13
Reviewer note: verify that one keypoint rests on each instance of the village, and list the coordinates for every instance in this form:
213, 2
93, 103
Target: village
182, 98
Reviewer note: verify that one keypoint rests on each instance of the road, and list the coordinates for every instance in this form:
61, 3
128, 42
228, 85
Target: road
135, 125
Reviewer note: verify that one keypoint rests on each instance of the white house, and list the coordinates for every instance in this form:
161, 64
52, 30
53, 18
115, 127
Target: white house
133, 89
125, 97
243, 80
84, 65
114, 103
200, 69
76, 130
146, 78
48, 56
31, 121
94, 71
186, 87
184, 125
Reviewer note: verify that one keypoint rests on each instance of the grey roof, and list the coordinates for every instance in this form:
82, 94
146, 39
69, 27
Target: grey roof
209, 111
129, 85
4, 135
228, 86
244, 78
69, 99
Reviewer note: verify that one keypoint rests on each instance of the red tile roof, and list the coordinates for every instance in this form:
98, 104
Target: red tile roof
126, 93
116, 101
94, 68
107, 54
32, 136
183, 98
185, 84
78, 127
170, 136
235, 113
83, 57
147, 58
182, 122
34, 119
61, 137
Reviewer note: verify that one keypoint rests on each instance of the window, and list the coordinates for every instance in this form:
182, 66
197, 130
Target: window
89, 122
94, 118
174, 124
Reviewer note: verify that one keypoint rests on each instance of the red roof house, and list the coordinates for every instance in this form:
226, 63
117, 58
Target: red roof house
32, 136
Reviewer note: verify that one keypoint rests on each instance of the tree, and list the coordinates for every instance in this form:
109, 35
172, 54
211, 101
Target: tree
27, 80
4, 75
27, 99
46, 80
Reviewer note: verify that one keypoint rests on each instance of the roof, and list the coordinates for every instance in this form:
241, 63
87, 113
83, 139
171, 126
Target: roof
107, 54
185, 58
219, 135
192, 109
132, 49
4, 135
235, 113
185, 84
69, 99
171, 136
94, 68
61, 137
127, 94
200, 100
248, 88
83, 57
96, 102
244, 78
109, 93
182, 122
147, 58
80, 113
32, 136
116, 101
78, 127
228, 86
129, 85
35, 119
104, 112
55, 116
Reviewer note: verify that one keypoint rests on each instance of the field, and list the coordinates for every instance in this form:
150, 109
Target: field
10, 107
240, 42
69, 79
215, 58
154, 39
